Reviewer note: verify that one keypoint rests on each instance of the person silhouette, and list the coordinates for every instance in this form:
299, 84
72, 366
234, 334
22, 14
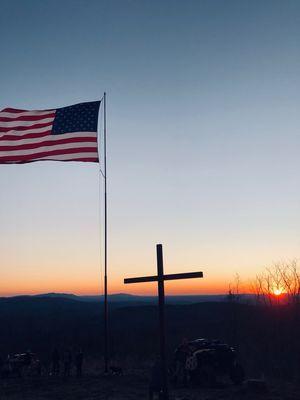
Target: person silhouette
155, 385
55, 362
183, 351
67, 362
78, 363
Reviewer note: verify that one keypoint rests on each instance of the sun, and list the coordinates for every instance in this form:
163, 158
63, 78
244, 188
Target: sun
277, 291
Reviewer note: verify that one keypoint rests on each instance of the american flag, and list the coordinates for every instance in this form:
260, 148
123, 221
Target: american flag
63, 134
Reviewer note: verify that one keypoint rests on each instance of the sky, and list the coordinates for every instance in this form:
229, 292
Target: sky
203, 142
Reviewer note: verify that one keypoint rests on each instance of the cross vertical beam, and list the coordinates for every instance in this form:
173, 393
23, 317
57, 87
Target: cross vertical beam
162, 330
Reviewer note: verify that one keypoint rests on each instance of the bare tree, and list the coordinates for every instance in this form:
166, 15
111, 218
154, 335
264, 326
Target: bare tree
233, 298
234, 289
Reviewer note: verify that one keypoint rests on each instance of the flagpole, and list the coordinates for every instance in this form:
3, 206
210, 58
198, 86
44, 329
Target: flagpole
105, 246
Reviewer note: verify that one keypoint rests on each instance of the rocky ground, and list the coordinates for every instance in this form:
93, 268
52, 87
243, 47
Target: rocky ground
132, 386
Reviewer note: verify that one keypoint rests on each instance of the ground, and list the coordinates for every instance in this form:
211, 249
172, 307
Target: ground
132, 386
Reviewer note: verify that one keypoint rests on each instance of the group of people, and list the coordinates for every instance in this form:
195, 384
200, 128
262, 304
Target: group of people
65, 361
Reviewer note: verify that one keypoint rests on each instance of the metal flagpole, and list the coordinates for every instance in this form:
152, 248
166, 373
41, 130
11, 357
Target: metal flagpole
105, 246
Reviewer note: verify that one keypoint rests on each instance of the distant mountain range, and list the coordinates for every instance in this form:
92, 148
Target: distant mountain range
134, 299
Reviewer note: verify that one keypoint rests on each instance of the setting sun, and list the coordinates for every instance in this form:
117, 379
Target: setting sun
278, 291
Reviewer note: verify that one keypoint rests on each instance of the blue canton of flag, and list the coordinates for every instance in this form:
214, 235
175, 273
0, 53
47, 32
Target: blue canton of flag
78, 118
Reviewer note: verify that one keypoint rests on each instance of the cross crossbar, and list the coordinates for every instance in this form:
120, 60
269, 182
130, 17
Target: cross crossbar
168, 277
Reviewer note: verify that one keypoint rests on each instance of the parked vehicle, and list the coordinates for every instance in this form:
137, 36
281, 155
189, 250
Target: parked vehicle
21, 364
206, 360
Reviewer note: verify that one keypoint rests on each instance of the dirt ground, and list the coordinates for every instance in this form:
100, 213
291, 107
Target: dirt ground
128, 387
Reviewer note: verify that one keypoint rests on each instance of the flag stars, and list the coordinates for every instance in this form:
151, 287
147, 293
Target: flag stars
78, 118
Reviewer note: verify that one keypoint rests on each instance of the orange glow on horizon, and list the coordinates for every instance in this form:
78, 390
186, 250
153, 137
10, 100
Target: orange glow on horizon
91, 283
185, 287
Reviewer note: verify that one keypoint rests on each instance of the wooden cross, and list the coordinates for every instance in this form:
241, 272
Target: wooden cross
160, 278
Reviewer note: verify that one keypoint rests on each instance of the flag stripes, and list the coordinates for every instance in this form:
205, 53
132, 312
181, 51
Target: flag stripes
69, 154
22, 125
18, 114
50, 140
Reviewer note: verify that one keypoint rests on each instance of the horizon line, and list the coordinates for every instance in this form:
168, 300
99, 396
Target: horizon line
116, 294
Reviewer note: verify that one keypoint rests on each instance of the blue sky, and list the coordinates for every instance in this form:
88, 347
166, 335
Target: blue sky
203, 140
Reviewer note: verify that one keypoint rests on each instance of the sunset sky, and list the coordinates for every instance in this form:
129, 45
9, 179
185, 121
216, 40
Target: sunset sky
203, 141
